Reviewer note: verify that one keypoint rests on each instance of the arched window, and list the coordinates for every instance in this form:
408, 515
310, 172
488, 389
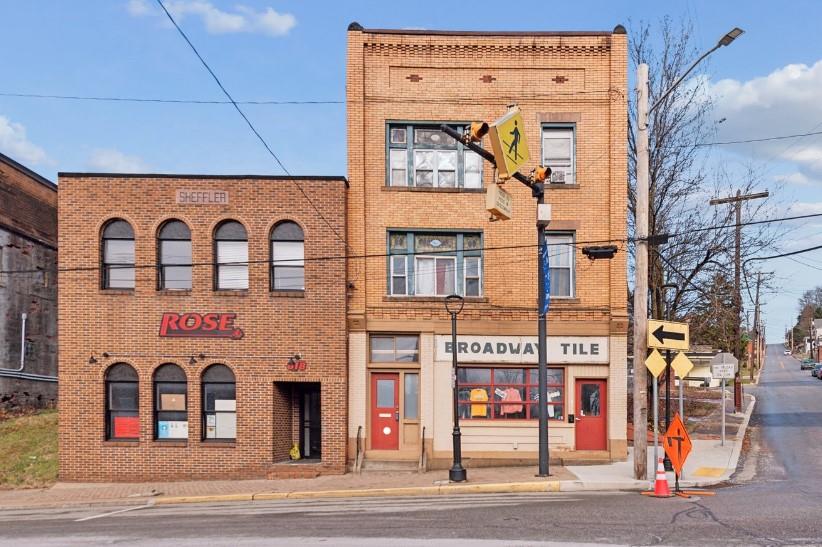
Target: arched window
219, 404
174, 255
170, 396
122, 402
230, 256
118, 255
287, 257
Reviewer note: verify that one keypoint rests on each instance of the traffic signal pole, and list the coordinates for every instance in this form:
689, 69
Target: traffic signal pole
537, 191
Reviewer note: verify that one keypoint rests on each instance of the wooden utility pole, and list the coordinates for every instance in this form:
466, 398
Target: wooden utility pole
757, 350
640, 391
736, 201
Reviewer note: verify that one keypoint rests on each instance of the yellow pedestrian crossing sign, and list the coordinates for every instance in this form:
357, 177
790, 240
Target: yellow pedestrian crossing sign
508, 142
655, 363
682, 365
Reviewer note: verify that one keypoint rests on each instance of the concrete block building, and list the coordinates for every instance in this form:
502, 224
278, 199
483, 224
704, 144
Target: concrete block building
202, 326
28, 287
417, 222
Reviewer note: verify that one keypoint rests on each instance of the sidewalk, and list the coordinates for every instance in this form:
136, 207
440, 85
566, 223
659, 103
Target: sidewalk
708, 464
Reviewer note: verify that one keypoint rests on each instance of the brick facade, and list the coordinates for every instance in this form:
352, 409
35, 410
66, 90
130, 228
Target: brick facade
100, 327
28, 251
575, 79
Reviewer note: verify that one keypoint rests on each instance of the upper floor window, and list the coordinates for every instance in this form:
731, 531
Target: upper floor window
118, 255
230, 256
219, 403
287, 257
559, 152
170, 414
174, 252
434, 264
122, 402
423, 156
561, 253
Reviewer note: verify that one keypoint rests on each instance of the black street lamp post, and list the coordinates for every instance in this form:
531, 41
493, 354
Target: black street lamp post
457, 473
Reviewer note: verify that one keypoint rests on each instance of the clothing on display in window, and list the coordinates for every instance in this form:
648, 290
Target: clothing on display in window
511, 395
479, 395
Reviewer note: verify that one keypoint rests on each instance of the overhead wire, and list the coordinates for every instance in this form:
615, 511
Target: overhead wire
248, 122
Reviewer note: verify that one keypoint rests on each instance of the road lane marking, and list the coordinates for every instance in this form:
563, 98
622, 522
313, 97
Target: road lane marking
111, 513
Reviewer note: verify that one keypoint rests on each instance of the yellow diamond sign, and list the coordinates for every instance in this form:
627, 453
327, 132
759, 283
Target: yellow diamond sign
508, 142
682, 365
655, 363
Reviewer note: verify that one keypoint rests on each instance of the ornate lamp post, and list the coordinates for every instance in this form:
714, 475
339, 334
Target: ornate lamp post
457, 473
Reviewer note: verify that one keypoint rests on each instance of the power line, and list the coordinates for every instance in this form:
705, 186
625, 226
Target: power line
782, 255
317, 258
762, 139
159, 100
247, 121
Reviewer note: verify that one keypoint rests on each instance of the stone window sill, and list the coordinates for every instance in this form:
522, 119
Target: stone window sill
214, 443
174, 292
122, 443
231, 292
287, 294
440, 299
128, 292
561, 186
169, 443
433, 190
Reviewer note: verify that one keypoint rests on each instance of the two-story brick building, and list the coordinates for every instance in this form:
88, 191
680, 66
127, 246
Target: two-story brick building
418, 222
201, 334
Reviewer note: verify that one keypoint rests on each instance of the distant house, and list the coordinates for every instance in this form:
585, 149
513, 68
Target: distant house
28, 287
816, 340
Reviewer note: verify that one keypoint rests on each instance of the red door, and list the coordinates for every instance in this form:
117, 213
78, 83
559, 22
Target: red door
591, 415
385, 411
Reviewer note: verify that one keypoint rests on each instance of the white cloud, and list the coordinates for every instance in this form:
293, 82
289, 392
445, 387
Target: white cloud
108, 160
217, 21
806, 208
138, 7
15, 144
784, 102
797, 178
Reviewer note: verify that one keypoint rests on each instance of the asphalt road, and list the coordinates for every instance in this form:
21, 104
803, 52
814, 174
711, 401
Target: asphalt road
775, 499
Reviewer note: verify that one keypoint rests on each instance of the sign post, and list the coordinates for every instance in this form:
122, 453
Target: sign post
723, 366
682, 366
655, 364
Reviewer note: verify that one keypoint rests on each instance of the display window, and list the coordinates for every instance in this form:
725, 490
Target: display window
497, 393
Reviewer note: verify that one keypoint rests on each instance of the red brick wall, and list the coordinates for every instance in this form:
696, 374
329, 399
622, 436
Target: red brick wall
125, 325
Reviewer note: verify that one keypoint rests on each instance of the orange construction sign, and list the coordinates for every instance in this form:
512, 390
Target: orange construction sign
677, 444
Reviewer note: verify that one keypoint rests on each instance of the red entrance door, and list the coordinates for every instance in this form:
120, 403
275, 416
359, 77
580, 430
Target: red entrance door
385, 411
592, 415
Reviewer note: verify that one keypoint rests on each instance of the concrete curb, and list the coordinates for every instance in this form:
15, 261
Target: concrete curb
442, 490
740, 437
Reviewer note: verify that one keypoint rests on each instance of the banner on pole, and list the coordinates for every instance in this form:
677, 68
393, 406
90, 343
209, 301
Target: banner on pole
546, 276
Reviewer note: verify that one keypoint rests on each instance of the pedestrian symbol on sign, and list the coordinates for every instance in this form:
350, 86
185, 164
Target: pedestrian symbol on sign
514, 143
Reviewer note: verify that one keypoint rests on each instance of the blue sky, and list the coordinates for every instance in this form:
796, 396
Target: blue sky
767, 83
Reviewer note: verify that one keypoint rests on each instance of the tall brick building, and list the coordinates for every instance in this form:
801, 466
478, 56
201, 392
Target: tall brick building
200, 335
416, 209
28, 292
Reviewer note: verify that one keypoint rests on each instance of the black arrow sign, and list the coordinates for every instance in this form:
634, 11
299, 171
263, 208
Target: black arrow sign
661, 334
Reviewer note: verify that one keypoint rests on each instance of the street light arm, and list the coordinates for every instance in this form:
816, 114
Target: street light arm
684, 75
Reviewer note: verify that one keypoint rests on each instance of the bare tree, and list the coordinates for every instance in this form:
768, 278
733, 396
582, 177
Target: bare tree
683, 178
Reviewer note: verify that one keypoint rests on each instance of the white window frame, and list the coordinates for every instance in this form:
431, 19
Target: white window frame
573, 266
435, 258
465, 275
393, 275
568, 169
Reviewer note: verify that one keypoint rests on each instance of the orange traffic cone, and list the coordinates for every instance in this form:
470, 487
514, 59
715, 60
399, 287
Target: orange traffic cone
661, 489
